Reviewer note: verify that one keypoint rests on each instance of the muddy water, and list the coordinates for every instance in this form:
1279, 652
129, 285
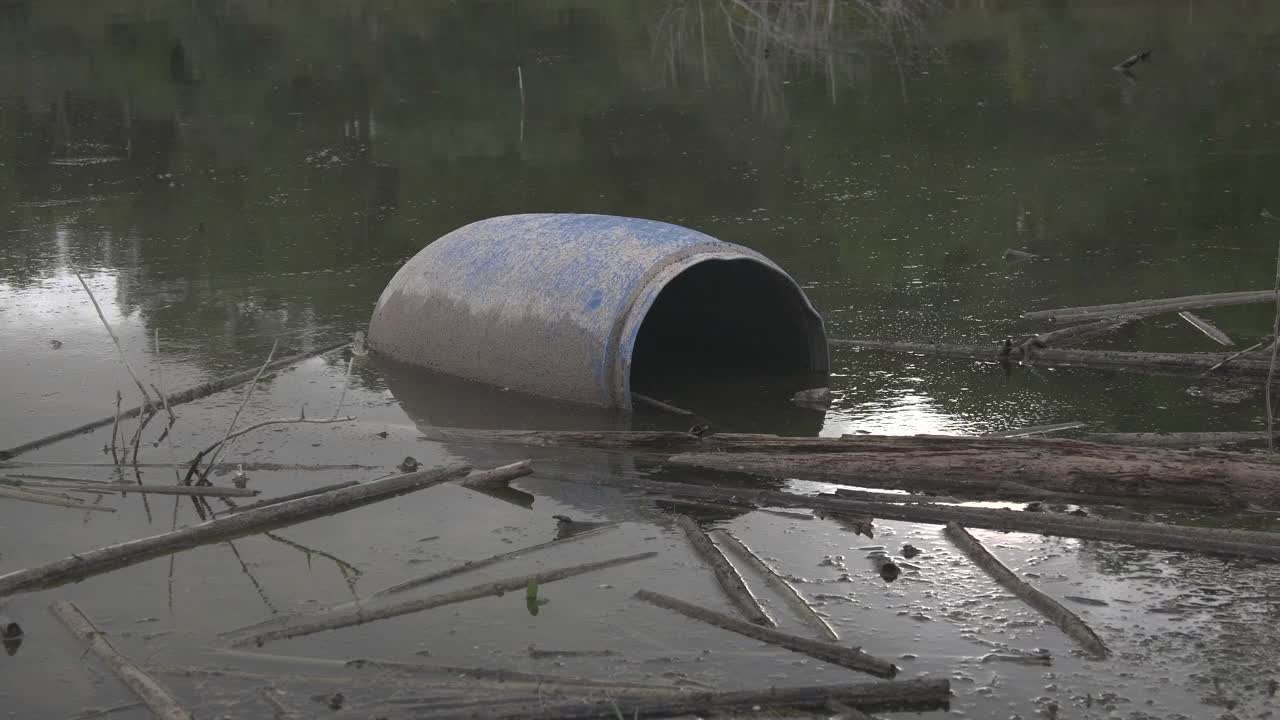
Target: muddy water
233, 174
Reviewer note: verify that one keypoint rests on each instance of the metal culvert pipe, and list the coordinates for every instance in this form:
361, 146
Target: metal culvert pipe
586, 307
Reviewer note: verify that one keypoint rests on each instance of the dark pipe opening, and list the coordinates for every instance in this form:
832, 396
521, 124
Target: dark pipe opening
726, 317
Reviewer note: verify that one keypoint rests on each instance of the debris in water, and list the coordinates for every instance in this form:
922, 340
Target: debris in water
701, 430
55, 344
336, 701
1014, 255
888, 569
1132, 60
814, 396
909, 551
239, 479
1086, 601
10, 635
408, 465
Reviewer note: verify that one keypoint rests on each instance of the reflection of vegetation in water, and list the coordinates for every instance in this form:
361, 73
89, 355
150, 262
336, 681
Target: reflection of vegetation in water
772, 40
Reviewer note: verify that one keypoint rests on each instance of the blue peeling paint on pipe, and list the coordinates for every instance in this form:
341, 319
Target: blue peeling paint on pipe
549, 304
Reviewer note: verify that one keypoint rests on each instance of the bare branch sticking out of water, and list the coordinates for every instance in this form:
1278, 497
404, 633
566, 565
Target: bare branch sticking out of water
346, 382
161, 702
1069, 622
164, 399
112, 557
183, 396
146, 398
115, 429
248, 393
195, 463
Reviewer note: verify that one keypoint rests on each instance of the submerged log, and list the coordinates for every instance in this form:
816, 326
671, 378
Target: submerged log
1151, 307
310, 625
852, 658
785, 590
884, 696
132, 552
1213, 332
726, 575
1075, 334
1147, 362
1069, 622
161, 702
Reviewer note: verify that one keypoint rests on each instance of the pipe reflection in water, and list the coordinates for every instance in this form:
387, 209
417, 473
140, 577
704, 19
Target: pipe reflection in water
433, 400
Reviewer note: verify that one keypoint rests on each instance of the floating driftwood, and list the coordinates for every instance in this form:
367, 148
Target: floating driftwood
852, 658
786, 590
1209, 329
726, 575
112, 557
1241, 543
362, 614
177, 398
1069, 622
888, 696
1178, 439
1152, 307
485, 562
45, 499
160, 701
1147, 362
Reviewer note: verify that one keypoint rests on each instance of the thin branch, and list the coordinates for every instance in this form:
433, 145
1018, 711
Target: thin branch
146, 397
1271, 369
232, 425
232, 436
346, 381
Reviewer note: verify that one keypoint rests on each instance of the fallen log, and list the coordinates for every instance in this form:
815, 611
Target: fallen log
1148, 362
890, 696
726, 575
786, 590
1178, 439
132, 552
159, 700
972, 467
1222, 541
1069, 622
1152, 307
177, 398
852, 658
360, 615
977, 467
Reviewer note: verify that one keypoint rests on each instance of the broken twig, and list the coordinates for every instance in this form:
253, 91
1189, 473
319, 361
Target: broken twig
221, 446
